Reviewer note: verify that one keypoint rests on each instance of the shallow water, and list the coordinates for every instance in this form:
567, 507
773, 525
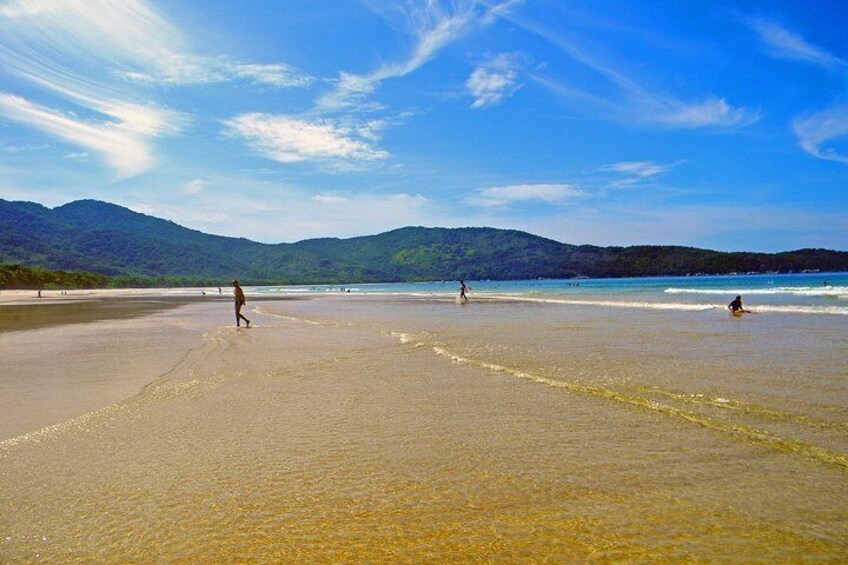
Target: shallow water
808, 293
363, 428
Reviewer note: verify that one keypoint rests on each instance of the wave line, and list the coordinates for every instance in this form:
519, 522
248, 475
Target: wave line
740, 432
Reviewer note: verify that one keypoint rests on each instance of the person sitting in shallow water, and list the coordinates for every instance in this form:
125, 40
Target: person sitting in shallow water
735, 306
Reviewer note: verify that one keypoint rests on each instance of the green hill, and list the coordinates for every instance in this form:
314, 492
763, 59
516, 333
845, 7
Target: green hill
90, 235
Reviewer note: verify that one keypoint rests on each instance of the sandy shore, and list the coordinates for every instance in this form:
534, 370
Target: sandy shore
361, 429
21, 297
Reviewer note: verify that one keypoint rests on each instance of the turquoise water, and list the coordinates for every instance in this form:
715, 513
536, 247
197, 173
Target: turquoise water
808, 293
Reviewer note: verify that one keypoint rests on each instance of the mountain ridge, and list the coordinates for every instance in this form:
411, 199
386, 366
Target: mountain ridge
108, 239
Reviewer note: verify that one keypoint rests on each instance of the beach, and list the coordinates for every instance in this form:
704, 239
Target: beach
409, 428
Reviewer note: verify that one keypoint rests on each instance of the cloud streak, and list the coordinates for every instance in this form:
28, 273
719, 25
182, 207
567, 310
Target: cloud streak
633, 172
814, 130
59, 38
93, 55
298, 215
432, 24
500, 196
638, 103
287, 139
781, 43
119, 143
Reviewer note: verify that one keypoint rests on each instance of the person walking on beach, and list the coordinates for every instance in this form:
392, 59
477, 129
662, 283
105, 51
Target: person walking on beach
462, 290
735, 306
239, 302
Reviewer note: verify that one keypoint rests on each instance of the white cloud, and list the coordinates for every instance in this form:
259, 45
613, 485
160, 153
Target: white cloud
128, 38
13, 149
279, 75
77, 156
635, 102
169, 67
288, 140
710, 112
784, 44
632, 172
506, 195
194, 186
84, 51
297, 215
432, 24
117, 142
328, 198
817, 129
493, 81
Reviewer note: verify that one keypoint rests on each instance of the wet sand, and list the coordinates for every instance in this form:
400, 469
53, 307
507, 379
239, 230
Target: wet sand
364, 429
65, 355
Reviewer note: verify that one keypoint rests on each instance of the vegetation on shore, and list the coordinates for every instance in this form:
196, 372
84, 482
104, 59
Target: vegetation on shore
129, 249
21, 277
14, 277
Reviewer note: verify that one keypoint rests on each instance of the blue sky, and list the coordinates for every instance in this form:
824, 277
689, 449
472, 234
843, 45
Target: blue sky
718, 125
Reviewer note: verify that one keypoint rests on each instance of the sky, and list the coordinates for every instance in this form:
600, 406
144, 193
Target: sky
721, 125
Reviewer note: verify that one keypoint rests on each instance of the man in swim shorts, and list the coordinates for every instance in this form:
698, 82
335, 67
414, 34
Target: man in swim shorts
239, 302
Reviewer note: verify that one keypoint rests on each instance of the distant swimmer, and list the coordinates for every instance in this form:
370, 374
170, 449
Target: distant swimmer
239, 302
735, 307
462, 290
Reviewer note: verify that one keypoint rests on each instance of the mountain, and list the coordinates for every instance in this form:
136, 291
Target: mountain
111, 240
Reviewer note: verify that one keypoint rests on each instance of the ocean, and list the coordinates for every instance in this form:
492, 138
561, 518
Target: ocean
808, 293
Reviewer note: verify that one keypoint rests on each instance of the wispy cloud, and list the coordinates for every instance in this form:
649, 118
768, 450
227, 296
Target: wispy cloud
119, 143
128, 39
90, 54
817, 129
637, 103
194, 186
298, 215
328, 198
709, 112
287, 139
522, 193
633, 172
494, 80
781, 43
82, 157
432, 24
174, 68
13, 149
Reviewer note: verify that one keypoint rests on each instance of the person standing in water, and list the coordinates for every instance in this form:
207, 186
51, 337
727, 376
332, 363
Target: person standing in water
735, 307
239, 302
462, 290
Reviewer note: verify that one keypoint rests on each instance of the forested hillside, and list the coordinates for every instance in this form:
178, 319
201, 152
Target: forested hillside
106, 239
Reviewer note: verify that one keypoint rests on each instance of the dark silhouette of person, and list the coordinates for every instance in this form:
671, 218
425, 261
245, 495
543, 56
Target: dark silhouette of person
239, 302
462, 290
736, 306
